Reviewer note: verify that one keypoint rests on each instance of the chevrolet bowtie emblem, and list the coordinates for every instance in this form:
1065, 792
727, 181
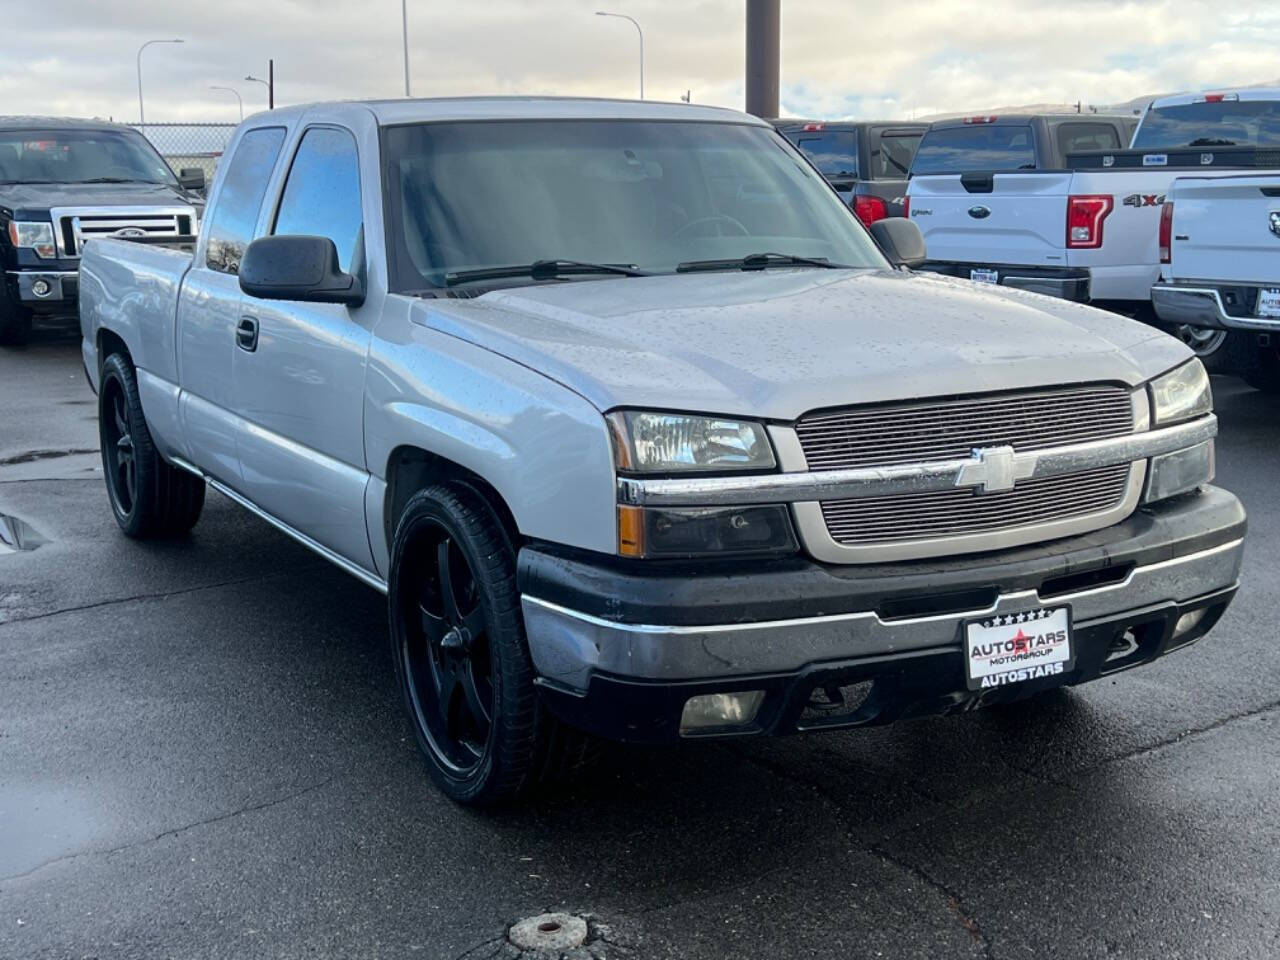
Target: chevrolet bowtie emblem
993, 469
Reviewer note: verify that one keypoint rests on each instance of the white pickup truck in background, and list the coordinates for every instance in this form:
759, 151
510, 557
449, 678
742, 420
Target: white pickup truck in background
1220, 274
1090, 232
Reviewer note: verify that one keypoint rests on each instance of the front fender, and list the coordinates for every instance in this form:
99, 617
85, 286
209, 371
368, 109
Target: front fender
542, 447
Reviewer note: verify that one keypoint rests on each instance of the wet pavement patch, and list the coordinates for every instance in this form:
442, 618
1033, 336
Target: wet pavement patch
16, 535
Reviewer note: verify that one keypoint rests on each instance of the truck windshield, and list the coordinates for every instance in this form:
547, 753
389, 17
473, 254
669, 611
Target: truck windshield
469, 196
80, 156
984, 147
1224, 123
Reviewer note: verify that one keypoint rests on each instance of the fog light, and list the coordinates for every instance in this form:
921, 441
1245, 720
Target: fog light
1188, 622
714, 710
41, 288
1179, 472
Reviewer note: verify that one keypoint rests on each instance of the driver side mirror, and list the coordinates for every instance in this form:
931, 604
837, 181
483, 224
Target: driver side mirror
191, 178
298, 268
901, 241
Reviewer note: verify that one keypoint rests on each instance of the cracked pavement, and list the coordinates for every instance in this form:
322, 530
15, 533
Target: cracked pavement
202, 755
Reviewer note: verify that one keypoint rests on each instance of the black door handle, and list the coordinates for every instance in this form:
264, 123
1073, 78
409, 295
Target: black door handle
247, 334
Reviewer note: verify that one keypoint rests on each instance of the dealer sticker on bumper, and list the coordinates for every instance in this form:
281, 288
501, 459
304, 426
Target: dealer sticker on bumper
1014, 647
1269, 302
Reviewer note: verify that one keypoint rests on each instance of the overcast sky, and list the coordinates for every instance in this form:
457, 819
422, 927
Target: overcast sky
839, 57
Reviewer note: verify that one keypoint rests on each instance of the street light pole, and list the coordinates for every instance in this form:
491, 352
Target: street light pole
404, 25
623, 16
270, 92
236, 93
142, 117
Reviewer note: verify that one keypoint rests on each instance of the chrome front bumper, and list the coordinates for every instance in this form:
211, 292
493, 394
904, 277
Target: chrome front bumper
569, 646
1202, 307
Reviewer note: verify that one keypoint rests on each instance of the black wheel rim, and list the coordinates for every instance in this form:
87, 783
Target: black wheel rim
117, 447
446, 651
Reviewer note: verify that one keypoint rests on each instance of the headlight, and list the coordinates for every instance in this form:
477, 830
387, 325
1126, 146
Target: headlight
678, 443
33, 235
1181, 394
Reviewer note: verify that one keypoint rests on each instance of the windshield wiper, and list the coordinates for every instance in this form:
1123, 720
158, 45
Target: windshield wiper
542, 270
757, 261
116, 180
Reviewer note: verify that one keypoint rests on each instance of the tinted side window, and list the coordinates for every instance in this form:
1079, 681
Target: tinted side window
236, 212
833, 152
984, 147
1087, 136
322, 194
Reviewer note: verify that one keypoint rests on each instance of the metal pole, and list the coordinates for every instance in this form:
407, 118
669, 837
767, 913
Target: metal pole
270, 96
404, 24
271, 84
623, 16
764, 46
232, 90
142, 117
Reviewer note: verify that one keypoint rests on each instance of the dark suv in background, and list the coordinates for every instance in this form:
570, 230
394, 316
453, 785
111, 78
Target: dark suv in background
866, 161
63, 182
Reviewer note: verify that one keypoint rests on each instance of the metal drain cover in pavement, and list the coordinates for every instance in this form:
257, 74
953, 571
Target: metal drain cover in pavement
549, 932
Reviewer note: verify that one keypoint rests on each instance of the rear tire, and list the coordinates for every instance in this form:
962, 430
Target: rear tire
461, 656
150, 499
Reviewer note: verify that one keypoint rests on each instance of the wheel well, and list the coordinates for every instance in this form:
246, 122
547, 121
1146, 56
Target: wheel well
109, 343
410, 469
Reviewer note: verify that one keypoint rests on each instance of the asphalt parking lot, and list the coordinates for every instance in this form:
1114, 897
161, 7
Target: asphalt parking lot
202, 755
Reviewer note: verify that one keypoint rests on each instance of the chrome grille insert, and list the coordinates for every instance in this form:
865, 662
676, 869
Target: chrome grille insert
947, 429
951, 513
73, 226
938, 522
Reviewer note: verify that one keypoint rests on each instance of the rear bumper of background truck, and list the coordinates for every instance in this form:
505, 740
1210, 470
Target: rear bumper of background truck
620, 649
1203, 306
1065, 283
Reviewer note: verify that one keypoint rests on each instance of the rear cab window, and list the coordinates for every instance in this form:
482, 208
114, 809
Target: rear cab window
980, 146
235, 213
833, 152
892, 151
1074, 137
1211, 123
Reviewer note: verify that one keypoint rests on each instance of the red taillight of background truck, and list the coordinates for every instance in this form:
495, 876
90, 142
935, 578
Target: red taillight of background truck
1085, 215
1166, 232
869, 209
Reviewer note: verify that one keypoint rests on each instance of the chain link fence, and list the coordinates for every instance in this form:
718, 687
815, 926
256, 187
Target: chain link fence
187, 145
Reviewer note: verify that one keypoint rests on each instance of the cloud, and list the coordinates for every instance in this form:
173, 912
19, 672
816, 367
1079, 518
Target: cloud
839, 58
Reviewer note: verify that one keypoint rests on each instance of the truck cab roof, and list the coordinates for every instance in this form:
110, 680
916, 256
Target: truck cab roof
442, 109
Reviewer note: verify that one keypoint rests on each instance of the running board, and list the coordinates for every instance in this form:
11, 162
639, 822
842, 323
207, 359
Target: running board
364, 576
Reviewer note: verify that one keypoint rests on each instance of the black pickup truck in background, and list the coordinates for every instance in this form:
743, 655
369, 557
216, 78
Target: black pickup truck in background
866, 161
63, 182
995, 144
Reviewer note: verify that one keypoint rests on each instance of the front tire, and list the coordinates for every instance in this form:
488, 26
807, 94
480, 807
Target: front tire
148, 497
462, 660
15, 322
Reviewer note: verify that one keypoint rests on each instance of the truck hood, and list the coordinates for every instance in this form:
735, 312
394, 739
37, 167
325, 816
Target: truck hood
777, 343
35, 199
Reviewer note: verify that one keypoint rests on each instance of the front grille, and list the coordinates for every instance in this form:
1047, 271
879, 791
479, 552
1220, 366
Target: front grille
75, 227
950, 429
959, 512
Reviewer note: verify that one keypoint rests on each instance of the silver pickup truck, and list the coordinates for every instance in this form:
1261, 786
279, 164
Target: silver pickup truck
645, 437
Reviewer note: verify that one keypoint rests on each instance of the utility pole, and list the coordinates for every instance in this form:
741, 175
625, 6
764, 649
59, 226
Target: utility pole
271, 84
764, 56
404, 25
